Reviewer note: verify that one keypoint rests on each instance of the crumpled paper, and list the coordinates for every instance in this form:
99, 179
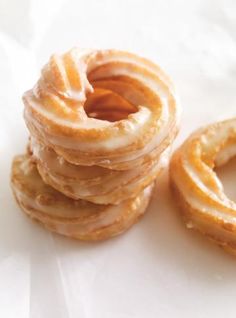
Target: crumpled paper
158, 268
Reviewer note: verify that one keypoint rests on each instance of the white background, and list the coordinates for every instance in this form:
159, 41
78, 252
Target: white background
158, 268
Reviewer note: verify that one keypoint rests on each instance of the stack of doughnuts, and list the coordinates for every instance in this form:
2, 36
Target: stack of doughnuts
101, 126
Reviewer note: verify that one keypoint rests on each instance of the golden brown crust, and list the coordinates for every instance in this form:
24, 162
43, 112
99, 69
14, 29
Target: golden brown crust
73, 218
196, 187
95, 184
120, 114
101, 124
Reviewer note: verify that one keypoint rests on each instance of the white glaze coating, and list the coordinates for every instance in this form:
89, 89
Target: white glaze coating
94, 184
208, 139
132, 128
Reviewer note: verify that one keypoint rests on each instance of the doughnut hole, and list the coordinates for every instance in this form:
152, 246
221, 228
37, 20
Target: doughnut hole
104, 104
227, 175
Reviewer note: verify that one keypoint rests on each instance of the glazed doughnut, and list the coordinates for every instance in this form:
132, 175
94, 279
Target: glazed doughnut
77, 219
101, 127
199, 192
105, 108
95, 184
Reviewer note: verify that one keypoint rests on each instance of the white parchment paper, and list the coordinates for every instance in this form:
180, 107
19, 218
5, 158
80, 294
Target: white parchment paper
158, 268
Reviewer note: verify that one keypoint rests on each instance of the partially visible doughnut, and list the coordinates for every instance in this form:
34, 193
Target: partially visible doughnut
196, 187
77, 219
95, 184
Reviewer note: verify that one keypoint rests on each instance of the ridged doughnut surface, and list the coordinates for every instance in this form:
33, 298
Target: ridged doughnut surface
95, 184
198, 190
101, 126
106, 108
73, 218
